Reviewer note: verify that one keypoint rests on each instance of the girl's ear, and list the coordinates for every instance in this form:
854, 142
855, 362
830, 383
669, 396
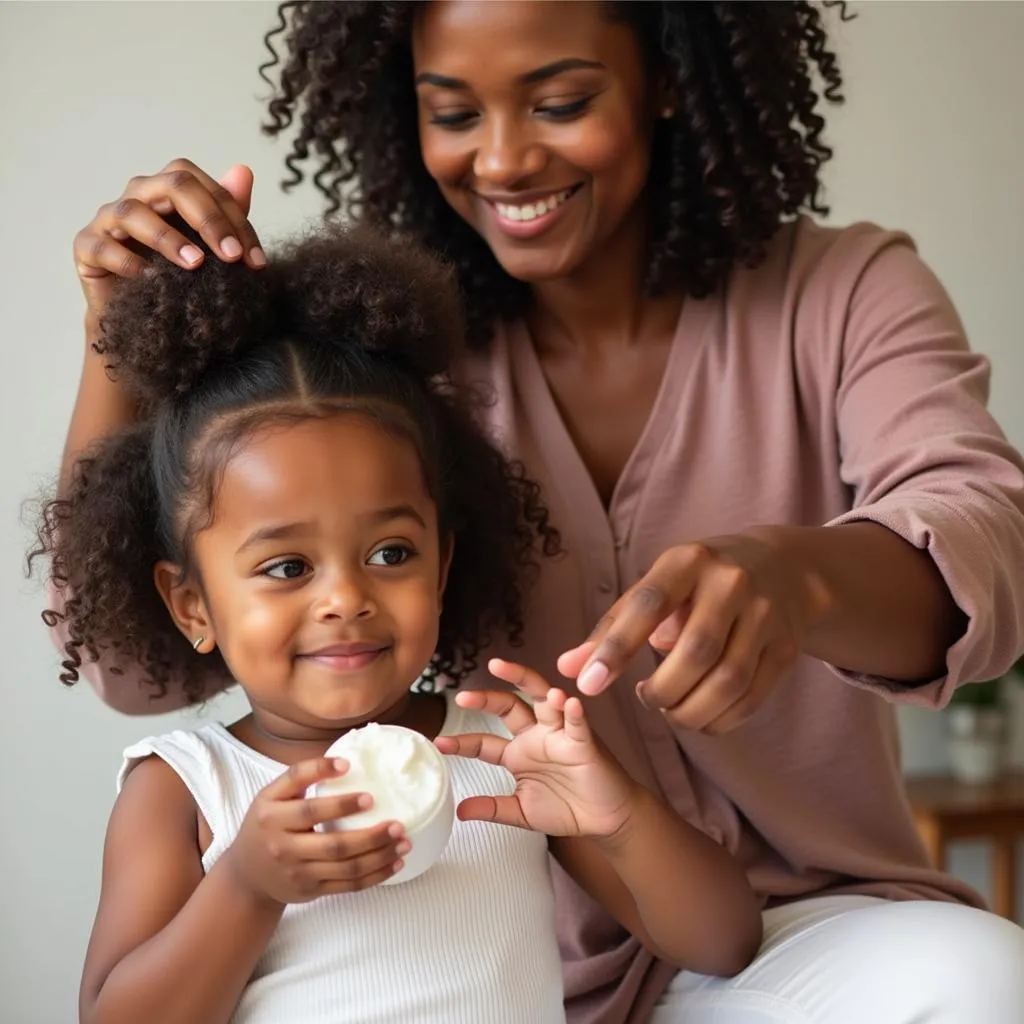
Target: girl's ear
187, 606
447, 550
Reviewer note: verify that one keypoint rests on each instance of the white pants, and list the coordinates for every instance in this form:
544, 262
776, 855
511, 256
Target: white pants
860, 960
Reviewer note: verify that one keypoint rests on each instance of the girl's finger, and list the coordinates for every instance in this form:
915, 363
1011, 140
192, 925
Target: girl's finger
511, 709
293, 783
483, 746
526, 679
577, 728
355, 865
502, 810
549, 710
301, 815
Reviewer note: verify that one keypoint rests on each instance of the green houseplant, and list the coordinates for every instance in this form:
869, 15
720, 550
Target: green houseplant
977, 719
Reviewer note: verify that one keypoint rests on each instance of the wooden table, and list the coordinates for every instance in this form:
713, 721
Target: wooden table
946, 810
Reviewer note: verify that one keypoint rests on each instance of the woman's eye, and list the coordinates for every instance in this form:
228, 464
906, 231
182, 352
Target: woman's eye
565, 111
460, 119
392, 555
288, 569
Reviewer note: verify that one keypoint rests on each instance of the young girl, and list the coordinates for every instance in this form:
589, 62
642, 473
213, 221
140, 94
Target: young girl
306, 508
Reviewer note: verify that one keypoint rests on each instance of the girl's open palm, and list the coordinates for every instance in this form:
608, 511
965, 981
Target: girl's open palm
566, 782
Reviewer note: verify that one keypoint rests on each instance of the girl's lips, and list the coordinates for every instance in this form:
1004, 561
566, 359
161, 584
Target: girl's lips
346, 657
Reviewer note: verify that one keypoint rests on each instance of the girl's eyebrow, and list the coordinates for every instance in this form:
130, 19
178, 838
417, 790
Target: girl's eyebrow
540, 74
376, 517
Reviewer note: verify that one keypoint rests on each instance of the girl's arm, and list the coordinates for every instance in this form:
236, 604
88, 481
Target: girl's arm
680, 893
174, 946
169, 944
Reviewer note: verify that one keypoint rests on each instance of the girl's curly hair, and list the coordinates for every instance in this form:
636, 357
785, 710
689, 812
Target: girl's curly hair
743, 151
340, 320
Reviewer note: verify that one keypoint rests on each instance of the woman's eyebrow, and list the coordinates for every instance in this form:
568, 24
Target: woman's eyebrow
540, 74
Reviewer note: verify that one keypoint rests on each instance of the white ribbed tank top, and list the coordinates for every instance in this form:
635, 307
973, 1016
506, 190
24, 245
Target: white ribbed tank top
471, 941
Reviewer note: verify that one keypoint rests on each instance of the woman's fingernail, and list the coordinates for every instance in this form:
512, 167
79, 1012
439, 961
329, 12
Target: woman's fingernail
640, 694
592, 678
257, 256
190, 254
231, 247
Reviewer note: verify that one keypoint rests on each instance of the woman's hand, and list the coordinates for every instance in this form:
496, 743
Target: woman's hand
566, 783
279, 856
728, 615
120, 240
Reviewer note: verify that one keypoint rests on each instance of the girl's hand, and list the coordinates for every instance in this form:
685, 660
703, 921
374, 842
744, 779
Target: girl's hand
278, 856
124, 235
566, 783
728, 615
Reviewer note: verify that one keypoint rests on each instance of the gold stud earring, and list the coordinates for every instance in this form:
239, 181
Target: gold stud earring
198, 642
668, 113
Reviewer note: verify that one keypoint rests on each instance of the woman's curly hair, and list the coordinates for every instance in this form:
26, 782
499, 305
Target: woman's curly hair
743, 152
339, 320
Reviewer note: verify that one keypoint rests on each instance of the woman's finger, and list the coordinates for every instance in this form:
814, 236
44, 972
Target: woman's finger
233, 193
502, 810
199, 206
728, 682
717, 607
637, 614
483, 746
136, 220
510, 708
766, 676
98, 255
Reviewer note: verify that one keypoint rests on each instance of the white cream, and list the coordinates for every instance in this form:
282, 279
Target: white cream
399, 768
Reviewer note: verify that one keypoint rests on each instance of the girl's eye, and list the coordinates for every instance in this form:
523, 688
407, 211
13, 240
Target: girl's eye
392, 555
460, 119
565, 111
287, 569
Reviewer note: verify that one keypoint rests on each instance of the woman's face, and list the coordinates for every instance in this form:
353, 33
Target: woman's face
535, 122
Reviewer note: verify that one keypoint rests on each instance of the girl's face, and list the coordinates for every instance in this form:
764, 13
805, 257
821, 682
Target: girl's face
320, 576
535, 122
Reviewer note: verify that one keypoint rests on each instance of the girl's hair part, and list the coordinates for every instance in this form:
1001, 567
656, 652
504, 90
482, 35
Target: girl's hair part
340, 320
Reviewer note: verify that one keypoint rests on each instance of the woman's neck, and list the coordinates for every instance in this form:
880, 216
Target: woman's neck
603, 304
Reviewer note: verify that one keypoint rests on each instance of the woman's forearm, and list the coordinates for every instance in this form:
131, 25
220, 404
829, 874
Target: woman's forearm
101, 407
889, 613
196, 968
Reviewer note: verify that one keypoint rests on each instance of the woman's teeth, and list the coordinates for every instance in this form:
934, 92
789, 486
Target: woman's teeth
531, 211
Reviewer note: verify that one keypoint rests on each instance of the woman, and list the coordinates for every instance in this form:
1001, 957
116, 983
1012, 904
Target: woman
765, 444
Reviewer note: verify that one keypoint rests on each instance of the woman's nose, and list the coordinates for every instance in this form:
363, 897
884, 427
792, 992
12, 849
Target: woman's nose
508, 154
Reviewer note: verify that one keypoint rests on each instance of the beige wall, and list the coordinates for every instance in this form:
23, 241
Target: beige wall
92, 93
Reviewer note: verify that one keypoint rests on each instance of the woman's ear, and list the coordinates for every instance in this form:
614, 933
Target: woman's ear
187, 606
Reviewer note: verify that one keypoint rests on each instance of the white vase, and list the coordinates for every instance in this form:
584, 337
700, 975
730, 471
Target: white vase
976, 739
